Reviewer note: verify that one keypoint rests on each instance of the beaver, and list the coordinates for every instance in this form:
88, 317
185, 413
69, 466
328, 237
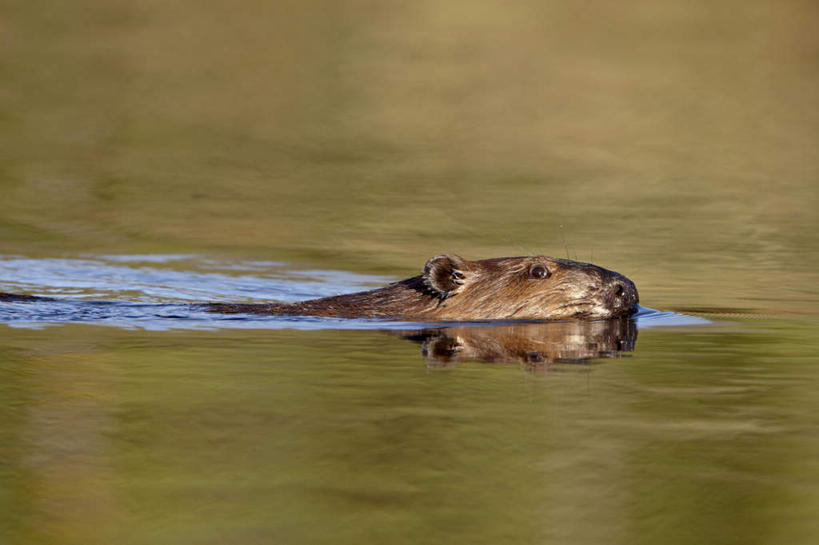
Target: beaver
455, 289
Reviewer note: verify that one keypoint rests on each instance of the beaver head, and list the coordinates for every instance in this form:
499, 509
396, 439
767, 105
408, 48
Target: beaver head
525, 288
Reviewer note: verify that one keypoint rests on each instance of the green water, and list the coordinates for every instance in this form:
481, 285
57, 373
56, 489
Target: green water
675, 143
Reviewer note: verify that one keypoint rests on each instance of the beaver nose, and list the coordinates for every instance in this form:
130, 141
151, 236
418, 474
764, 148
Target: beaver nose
623, 292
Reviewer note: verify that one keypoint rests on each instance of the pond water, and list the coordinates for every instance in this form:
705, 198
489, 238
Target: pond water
156, 156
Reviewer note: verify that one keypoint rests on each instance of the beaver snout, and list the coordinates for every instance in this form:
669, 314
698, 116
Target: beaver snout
622, 293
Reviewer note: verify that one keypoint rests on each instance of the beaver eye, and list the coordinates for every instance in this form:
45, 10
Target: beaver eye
539, 271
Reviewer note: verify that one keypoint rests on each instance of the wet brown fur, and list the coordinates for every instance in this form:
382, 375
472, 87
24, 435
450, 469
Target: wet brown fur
456, 289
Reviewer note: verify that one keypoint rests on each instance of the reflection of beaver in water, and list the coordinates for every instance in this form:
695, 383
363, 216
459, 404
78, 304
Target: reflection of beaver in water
536, 345
452, 288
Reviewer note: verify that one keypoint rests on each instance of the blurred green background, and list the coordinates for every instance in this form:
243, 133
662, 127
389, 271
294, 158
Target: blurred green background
674, 142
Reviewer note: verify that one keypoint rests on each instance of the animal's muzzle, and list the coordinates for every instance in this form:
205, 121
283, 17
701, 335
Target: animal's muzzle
622, 294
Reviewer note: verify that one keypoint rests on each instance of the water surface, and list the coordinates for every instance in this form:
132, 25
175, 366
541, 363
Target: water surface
172, 425
156, 155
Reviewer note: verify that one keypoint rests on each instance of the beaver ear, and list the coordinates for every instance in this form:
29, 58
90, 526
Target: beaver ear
444, 274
